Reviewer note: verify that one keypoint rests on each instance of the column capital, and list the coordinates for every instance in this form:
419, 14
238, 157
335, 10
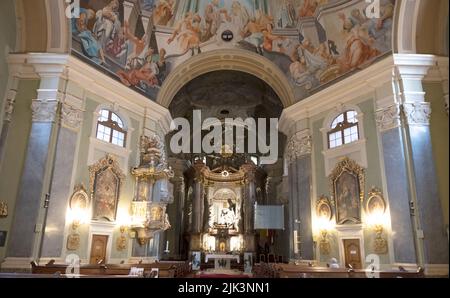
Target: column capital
388, 117
299, 144
71, 117
417, 114
43, 110
9, 105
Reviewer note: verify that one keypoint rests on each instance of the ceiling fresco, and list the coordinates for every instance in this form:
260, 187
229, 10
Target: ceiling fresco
313, 42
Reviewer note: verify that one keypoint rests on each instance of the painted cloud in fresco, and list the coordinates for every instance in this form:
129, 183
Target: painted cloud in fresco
314, 42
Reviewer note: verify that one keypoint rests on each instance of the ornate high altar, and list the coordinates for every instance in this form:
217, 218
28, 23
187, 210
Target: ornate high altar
220, 211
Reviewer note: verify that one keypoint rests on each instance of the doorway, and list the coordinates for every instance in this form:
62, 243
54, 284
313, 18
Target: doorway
352, 252
98, 249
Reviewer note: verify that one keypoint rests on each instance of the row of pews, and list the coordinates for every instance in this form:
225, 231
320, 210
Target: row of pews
265, 270
165, 269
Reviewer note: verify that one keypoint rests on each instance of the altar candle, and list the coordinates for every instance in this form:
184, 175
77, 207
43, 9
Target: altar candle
295, 242
167, 245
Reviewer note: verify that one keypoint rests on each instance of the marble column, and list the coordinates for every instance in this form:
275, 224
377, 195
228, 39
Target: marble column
197, 206
63, 166
34, 187
176, 209
249, 206
8, 114
300, 179
416, 212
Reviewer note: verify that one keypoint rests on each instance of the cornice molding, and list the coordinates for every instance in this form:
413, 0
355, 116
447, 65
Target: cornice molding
42, 65
102, 85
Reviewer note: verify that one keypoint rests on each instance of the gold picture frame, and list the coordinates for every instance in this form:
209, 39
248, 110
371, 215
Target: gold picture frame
375, 201
79, 199
105, 182
323, 208
347, 182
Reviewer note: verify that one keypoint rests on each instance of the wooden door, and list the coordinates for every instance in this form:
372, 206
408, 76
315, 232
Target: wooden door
98, 249
352, 249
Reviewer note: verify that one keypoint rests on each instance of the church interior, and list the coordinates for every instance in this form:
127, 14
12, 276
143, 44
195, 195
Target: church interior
216, 138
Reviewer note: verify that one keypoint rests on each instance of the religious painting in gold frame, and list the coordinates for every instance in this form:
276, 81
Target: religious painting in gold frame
375, 202
156, 215
105, 179
347, 186
323, 208
79, 199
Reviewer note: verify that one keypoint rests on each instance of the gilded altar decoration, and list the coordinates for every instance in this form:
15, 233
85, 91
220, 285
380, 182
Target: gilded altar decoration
324, 244
347, 185
376, 209
323, 209
3, 209
122, 240
73, 242
105, 181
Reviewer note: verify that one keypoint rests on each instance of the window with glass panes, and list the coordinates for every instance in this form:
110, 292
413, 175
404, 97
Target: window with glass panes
344, 130
110, 128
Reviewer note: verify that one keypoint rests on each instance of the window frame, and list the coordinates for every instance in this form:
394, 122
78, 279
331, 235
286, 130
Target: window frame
113, 125
342, 127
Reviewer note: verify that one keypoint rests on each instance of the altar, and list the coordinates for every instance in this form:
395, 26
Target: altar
222, 262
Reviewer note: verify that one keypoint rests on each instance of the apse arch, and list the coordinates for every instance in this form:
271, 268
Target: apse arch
227, 59
421, 27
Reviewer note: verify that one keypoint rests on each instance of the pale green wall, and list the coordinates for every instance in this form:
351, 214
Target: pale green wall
373, 173
440, 141
7, 43
16, 146
82, 173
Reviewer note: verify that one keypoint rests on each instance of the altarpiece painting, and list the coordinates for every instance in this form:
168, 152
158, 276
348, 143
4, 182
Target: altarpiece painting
105, 181
347, 184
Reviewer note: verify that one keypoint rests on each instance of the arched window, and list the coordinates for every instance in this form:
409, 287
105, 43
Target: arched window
110, 128
344, 130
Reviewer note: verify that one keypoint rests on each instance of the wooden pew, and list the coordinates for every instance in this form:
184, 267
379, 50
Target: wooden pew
294, 271
165, 270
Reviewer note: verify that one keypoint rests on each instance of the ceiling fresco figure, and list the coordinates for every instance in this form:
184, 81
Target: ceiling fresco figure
313, 42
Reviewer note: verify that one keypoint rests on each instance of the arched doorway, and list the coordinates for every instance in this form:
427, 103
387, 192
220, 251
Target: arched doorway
211, 223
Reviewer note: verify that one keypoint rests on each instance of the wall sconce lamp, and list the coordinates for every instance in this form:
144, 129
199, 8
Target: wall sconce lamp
376, 210
324, 215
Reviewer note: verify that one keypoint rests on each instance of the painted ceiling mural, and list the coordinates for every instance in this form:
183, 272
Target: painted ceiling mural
314, 42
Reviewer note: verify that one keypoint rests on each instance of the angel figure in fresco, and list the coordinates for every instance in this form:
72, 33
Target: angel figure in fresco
381, 29
287, 16
239, 15
252, 33
213, 19
145, 74
299, 71
163, 12
90, 46
139, 46
358, 49
308, 8
117, 46
270, 38
187, 33
107, 22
